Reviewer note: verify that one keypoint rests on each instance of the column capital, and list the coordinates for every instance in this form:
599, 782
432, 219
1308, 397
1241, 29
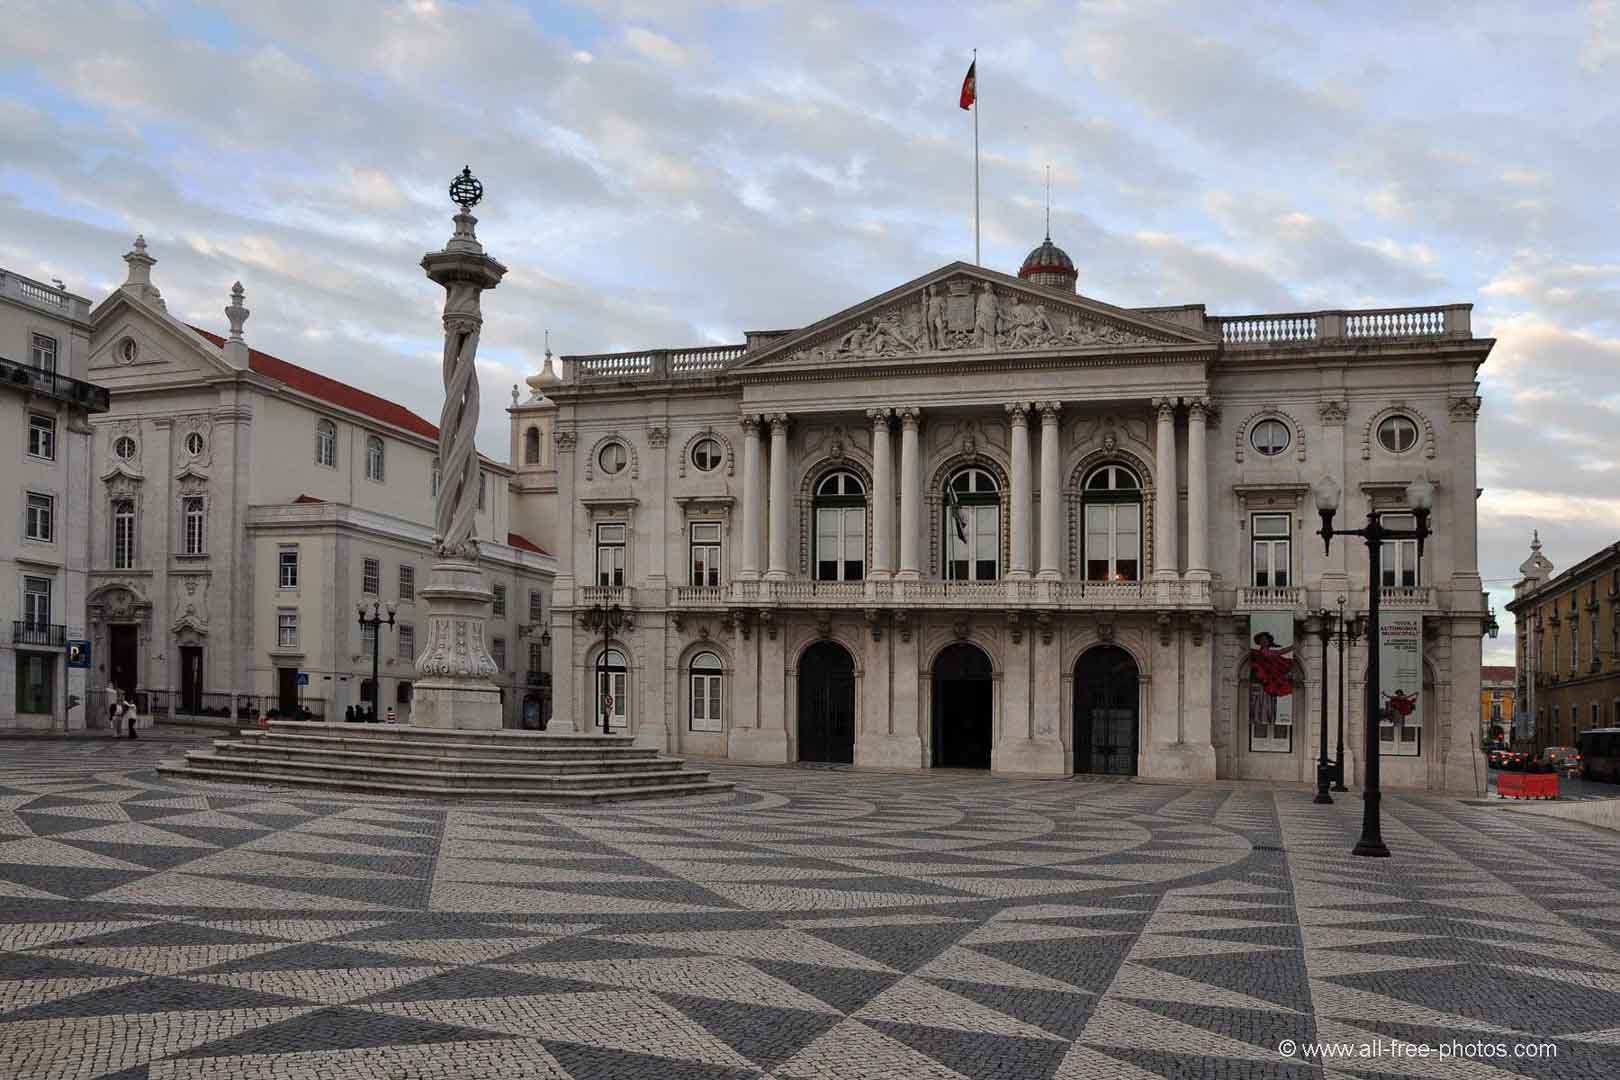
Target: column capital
1165, 407
1049, 411
748, 422
910, 417
879, 418
1019, 411
1197, 408
779, 423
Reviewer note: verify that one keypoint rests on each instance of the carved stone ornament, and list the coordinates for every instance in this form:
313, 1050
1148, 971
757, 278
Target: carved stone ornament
1165, 623
903, 624
1105, 631
565, 440
191, 605
768, 619
960, 315
657, 437
1044, 624
743, 620
961, 628
874, 621
456, 650
823, 624
1466, 409
1015, 626
677, 619
1332, 412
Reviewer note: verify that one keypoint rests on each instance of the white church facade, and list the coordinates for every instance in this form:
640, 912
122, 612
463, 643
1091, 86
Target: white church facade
981, 521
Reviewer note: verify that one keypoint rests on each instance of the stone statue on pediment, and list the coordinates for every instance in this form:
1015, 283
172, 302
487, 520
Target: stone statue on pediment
1028, 326
986, 317
934, 321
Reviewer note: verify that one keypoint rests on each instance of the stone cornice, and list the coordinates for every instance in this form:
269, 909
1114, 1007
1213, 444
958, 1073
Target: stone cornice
306, 517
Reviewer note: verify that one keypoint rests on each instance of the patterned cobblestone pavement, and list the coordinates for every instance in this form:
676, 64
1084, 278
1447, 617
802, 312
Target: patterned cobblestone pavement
813, 924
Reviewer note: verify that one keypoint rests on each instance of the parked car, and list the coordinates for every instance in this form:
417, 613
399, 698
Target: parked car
1566, 759
1506, 759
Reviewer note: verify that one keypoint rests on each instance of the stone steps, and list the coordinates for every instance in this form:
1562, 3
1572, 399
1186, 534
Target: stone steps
402, 760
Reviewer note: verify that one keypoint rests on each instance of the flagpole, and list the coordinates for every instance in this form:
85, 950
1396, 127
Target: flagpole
976, 261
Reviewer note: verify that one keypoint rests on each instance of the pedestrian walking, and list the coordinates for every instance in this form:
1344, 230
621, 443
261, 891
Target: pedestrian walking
130, 716
114, 697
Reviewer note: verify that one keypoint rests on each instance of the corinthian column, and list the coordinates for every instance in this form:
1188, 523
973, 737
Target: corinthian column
1164, 494
1051, 494
453, 687
778, 504
882, 493
752, 524
1197, 491
1022, 494
910, 492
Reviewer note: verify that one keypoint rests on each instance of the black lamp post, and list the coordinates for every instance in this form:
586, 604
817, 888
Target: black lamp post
1420, 500
607, 620
1324, 769
371, 614
1345, 630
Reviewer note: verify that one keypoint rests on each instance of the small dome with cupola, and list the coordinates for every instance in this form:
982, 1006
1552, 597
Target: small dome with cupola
1049, 265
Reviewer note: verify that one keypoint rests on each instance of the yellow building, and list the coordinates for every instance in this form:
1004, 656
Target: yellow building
1496, 699
1567, 630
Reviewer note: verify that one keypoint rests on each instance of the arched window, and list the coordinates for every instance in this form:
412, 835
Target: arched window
531, 446
374, 458
612, 689
705, 679
1111, 496
972, 526
123, 534
326, 444
839, 543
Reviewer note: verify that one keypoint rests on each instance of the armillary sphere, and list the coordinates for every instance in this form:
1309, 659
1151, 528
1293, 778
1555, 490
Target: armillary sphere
465, 190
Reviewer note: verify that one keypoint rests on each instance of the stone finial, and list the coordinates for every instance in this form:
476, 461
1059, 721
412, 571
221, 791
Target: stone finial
140, 266
514, 394
236, 313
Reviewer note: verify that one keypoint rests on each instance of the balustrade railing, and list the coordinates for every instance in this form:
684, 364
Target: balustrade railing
1406, 597
653, 363
1447, 320
605, 595
1270, 596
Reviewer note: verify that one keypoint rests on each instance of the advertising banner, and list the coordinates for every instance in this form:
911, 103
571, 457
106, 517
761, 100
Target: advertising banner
1400, 677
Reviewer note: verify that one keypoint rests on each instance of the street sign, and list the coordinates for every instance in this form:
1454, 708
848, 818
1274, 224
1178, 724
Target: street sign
303, 678
78, 654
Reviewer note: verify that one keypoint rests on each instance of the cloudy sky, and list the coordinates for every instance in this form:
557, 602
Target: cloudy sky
663, 172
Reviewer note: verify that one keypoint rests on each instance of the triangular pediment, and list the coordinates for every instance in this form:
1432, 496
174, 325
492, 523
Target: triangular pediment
962, 311
133, 340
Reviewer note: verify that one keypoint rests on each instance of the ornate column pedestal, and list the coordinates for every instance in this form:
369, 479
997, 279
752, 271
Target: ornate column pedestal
453, 687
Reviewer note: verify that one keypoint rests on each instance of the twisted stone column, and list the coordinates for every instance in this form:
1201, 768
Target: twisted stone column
453, 688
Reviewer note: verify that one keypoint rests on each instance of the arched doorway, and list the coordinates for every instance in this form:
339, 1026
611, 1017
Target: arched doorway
962, 708
1106, 712
827, 704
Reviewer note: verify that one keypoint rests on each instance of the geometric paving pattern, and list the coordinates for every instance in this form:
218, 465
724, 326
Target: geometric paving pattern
812, 924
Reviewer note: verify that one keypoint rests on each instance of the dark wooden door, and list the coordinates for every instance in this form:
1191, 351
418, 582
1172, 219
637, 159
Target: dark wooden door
191, 679
1106, 712
963, 711
122, 655
287, 691
827, 704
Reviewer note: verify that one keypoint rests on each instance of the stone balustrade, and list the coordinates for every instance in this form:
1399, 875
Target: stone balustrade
1373, 324
653, 364
953, 595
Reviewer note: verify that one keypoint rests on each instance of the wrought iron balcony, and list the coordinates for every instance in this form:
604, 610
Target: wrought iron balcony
49, 384
28, 632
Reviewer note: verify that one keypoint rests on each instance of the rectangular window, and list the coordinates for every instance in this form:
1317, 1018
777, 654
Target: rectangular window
706, 702
537, 606
1113, 542
1404, 738
1597, 654
192, 516
368, 639
1271, 725
1400, 558
1596, 715
407, 643
42, 352
35, 676
370, 577
610, 554
407, 584
1272, 549
41, 517
497, 649
287, 561
42, 436
840, 543
286, 629
977, 556
36, 602
123, 534
705, 545
537, 656
483, 489
1574, 643
500, 600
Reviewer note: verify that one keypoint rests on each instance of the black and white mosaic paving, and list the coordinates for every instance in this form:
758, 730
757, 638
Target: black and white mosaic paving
813, 925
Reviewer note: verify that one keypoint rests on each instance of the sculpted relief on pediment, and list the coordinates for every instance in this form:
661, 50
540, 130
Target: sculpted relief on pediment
963, 315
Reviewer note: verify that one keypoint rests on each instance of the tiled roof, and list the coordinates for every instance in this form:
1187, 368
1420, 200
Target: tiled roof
1495, 673
523, 543
331, 391
308, 499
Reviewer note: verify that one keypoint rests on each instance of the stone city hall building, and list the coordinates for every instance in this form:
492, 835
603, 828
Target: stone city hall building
980, 521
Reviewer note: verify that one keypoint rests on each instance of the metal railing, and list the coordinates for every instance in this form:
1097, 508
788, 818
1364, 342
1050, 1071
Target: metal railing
48, 383
216, 704
28, 632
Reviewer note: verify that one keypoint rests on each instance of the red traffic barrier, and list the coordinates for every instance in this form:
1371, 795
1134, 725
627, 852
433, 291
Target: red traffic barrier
1511, 785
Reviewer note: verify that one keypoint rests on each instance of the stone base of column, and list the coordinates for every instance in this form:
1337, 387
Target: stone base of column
1031, 758
889, 752
776, 575
907, 575
1018, 574
453, 687
456, 703
1049, 575
1179, 761
760, 746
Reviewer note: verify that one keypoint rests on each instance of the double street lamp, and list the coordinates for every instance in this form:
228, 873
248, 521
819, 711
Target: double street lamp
1420, 500
607, 620
1330, 774
371, 614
